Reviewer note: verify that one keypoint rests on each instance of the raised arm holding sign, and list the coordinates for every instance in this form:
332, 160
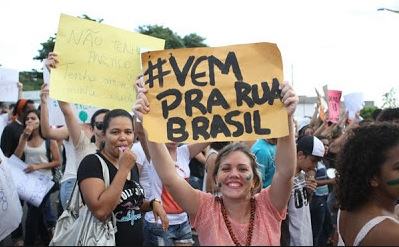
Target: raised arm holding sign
238, 184
215, 94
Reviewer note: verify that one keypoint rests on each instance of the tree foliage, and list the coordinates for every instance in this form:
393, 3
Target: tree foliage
367, 112
389, 99
33, 79
172, 39
47, 47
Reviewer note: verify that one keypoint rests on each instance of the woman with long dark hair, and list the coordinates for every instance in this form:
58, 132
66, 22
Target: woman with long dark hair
33, 146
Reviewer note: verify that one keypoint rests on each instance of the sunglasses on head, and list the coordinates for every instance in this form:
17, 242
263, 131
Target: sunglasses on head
99, 125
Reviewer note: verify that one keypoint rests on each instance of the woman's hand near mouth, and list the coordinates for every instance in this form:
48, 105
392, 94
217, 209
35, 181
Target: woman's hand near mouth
127, 159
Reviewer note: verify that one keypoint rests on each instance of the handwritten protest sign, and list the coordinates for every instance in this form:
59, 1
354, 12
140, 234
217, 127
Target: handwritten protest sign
334, 105
214, 94
353, 103
8, 85
31, 187
10, 207
82, 112
98, 63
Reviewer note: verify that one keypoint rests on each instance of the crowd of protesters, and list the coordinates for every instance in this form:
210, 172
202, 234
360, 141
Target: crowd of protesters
325, 184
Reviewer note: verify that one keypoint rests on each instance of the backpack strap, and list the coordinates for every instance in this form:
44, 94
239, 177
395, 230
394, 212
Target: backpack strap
75, 199
105, 171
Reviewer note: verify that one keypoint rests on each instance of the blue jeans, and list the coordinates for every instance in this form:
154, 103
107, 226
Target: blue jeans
50, 218
321, 222
176, 234
196, 182
66, 191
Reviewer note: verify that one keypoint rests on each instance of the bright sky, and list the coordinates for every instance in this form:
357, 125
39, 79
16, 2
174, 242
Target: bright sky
346, 44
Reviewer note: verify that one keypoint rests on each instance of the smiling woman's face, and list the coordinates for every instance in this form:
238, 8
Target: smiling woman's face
235, 176
119, 134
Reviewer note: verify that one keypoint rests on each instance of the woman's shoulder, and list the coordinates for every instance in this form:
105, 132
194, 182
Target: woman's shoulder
385, 231
89, 162
90, 158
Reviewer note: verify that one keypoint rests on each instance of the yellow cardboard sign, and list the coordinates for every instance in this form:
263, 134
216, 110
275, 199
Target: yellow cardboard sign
98, 63
214, 94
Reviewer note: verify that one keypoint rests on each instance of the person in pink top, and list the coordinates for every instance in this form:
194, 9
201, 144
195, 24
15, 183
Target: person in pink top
240, 216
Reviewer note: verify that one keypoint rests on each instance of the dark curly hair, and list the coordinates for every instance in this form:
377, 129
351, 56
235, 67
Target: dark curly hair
360, 159
389, 114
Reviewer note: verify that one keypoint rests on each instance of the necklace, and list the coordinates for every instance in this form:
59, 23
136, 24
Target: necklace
228, 224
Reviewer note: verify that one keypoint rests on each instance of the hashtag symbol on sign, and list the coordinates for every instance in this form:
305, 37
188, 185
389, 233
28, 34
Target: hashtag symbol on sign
159, 73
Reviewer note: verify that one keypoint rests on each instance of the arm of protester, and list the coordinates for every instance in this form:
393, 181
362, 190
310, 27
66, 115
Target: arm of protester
196, 149
140, 133
139, 130
182, 192
47, 131
329, 130
320, 129
55, 161
23, 139
201, 158
336, 145
73, 126
314, 121
72, 123
280, 189
157, 210
102, 201
311, 183
321, 182
185, 195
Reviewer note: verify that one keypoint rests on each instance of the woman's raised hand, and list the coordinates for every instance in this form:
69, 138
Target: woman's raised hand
289, 98
127, 159
44, 92
27, 131
51, 61
141, 106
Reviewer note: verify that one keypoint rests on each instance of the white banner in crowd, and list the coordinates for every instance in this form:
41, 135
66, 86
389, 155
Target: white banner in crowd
10, 207
353, 103
82, 112
8, 85
31, 187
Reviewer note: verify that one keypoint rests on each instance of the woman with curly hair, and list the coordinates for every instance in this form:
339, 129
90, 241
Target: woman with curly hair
368, 186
